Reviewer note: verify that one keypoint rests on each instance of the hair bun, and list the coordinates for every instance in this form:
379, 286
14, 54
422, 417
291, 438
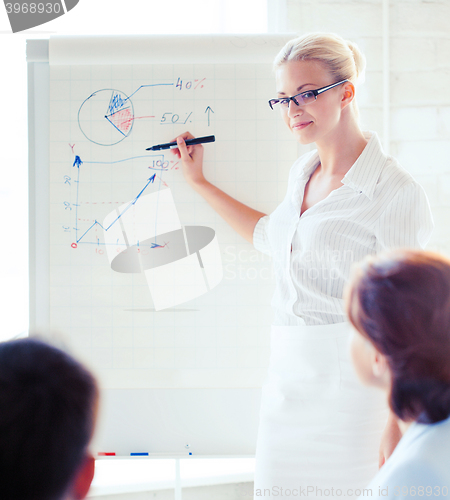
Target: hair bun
360, 60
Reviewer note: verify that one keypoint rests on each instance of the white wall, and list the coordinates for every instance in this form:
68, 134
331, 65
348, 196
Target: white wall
419, 40
420, 82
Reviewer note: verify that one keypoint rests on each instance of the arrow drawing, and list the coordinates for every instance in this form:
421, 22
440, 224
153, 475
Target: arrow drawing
77, 162
96, 223
208, 110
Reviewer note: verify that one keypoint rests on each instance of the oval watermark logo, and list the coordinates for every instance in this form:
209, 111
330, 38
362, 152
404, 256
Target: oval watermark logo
25, 14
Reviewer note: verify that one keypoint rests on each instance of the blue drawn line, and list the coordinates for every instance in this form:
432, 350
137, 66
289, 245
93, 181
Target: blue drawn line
120, 161
115, 112
152, 179
77, 163
98, 243
115, 125
95, 224
115, 102
151, 85
208, 110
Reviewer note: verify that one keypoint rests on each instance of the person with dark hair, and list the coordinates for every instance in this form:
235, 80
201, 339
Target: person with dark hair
48, 405
399, 306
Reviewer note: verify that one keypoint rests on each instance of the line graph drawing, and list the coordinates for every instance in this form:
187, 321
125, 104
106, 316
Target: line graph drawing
152, 179
145, 235
77, 163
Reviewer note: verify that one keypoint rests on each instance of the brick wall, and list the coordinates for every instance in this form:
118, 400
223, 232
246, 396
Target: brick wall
419, 39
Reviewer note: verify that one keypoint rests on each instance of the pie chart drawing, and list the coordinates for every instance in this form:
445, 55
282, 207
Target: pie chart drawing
106, 117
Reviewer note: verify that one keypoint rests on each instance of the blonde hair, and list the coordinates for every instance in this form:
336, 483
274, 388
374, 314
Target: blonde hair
340, 57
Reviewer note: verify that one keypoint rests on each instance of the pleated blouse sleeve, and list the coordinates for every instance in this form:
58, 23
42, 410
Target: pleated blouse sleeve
260, 239
407, 221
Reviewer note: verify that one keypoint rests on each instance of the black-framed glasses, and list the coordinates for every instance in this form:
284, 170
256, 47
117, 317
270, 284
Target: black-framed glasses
303, 98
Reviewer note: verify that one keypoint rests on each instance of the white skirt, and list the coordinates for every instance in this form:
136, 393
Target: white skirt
320, 428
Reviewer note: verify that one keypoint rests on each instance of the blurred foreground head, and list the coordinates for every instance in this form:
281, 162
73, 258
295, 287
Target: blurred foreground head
48, 404
400, 302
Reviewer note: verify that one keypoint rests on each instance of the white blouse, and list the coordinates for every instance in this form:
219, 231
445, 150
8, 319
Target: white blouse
379, 206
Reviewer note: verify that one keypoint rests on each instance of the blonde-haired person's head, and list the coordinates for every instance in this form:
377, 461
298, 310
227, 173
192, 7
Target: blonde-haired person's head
341, 58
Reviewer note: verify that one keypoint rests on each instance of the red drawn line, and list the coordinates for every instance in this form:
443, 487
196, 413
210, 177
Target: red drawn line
199, 82
162, 180
126, 122
121, 119
139, 117
160, 246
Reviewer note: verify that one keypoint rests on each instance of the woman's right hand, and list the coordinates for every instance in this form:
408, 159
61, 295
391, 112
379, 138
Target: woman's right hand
191, 159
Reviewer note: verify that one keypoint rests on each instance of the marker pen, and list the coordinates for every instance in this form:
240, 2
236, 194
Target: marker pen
189, 142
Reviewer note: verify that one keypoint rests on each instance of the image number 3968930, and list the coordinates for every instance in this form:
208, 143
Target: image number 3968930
26, 14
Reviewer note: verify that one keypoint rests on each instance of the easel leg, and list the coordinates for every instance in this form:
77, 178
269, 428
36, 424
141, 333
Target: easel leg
177, 480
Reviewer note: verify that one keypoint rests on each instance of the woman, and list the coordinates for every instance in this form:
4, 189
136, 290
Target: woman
399, 305
346, 199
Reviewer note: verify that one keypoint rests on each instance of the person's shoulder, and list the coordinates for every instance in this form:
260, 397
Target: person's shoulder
393, 171
404, 476
433, 447
395, 179
383, 173
423, 463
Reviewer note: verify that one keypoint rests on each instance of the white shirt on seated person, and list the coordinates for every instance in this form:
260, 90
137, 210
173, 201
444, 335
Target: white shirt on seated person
418, 467
420, 463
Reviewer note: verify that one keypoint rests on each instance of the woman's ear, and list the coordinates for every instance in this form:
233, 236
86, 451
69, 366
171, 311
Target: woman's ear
380, 369
348, 94
84, 478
